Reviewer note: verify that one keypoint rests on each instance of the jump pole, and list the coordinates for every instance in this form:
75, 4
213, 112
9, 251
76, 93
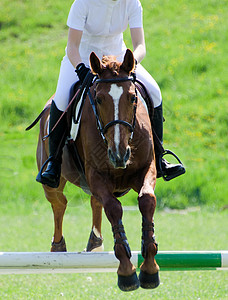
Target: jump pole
82, 262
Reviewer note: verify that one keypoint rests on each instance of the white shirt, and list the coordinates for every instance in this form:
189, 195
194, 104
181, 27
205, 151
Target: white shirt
103, 23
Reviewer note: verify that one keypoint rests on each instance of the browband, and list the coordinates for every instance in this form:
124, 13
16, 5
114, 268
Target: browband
115, 80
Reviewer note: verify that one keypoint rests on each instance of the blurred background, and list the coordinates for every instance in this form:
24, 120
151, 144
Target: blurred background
187, 54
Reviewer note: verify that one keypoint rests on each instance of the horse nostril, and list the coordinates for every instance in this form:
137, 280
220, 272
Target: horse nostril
110, 155
128, 154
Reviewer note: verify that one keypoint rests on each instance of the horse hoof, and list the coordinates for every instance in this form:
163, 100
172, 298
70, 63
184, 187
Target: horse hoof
128, 283
149, 281
59, 247
95, 244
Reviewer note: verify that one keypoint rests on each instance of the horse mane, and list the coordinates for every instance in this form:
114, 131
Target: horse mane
112, 64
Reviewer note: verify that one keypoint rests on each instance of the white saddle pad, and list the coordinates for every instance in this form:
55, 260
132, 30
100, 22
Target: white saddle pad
75, 127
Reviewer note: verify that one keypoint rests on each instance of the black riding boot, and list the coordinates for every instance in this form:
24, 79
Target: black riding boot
165, 169
51, 176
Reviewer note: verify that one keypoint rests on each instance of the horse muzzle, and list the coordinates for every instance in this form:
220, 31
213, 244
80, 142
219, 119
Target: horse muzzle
119, 161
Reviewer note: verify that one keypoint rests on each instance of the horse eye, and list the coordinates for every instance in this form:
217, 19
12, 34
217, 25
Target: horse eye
98, 100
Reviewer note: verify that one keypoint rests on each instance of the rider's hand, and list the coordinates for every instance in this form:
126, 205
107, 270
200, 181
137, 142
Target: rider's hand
82, 71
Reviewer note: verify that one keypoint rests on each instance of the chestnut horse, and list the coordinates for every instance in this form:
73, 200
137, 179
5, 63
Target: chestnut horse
115, 144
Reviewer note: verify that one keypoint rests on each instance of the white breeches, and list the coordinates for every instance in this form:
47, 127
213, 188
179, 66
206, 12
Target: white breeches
67, 77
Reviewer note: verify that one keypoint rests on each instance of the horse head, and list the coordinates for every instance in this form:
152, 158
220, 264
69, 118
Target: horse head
116, 100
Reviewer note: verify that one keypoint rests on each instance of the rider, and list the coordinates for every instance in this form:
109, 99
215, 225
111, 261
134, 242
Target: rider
98, 25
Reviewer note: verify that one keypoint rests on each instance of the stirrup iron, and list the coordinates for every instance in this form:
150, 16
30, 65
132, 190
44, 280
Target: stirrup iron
174, 175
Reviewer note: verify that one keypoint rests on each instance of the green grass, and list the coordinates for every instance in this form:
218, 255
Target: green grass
176, 285
193, 229
102, 286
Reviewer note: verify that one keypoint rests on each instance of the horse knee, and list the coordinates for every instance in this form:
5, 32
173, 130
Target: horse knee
62, 199
147, 205
95, 204
113, 210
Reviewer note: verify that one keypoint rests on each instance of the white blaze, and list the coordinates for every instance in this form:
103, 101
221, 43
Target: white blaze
115, 92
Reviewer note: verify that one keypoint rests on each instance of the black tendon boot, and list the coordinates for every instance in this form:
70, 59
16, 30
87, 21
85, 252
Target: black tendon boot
165, 169
51, 176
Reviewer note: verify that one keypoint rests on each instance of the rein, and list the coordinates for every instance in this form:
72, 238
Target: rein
103, 129
81, 92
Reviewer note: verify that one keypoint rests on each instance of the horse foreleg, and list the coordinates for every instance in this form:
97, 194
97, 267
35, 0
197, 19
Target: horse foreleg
58, 203
95, 242
149, 276
127, 278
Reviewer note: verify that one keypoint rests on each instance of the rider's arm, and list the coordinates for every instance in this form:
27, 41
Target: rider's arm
138, 42
74, 39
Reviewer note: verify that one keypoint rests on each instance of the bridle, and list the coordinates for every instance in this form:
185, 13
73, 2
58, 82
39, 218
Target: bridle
103, 128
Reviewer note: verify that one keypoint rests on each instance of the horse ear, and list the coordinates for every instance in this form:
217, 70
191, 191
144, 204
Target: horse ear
95, 64
128, 64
